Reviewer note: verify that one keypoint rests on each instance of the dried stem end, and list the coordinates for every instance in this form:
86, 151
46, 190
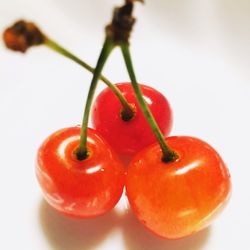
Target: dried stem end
122, 23
22, 35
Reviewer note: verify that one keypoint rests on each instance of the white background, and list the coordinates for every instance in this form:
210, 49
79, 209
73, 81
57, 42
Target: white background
195, 51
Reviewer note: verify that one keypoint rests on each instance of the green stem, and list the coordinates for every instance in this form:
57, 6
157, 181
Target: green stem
168, 154
128, 111
82, 152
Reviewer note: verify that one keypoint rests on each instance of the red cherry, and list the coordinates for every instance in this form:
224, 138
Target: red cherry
84, 188
129, 137
179, 198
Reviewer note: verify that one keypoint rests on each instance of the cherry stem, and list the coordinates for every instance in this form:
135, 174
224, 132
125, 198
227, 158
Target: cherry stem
82, 151
168, 154
127, 110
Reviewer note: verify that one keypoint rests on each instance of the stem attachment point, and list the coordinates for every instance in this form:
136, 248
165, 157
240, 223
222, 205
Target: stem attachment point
171, 157
80, 156
129, 113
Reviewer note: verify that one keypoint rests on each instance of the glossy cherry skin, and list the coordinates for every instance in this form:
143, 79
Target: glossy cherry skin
129, 137
86, 188
177, 199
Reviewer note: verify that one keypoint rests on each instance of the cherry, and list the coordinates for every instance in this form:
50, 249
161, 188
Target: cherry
77, 188
181, 197
130, 136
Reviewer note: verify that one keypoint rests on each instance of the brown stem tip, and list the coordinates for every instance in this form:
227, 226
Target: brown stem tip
22, 35
122, 23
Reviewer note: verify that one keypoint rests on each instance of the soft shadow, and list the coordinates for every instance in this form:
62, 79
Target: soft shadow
65, 233
136, 237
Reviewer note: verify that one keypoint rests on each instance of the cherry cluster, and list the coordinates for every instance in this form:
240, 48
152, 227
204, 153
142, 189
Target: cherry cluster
174, 185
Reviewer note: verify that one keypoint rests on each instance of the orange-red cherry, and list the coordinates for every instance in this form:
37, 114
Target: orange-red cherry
85, 188
179, 198
129, 137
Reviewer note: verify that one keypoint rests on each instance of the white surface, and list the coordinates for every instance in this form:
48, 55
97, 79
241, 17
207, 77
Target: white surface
196, 52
